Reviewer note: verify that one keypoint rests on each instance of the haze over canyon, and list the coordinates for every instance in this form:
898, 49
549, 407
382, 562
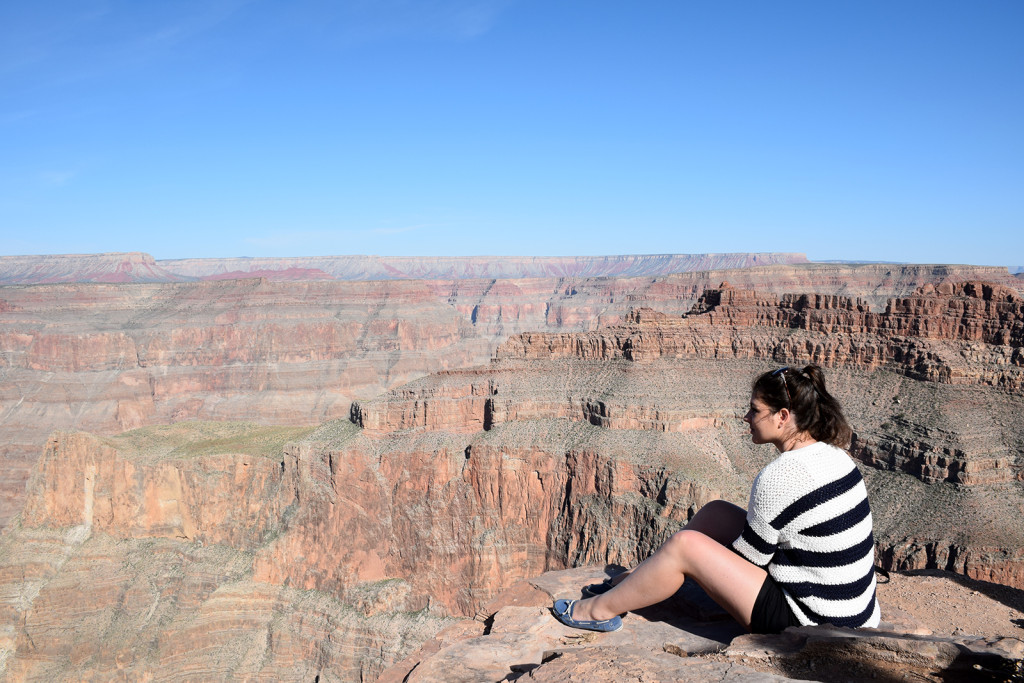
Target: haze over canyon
291, 468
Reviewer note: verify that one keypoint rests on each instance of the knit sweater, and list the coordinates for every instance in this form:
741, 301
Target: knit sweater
809, 526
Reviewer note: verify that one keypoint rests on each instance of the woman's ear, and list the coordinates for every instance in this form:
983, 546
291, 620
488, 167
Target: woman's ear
784, 416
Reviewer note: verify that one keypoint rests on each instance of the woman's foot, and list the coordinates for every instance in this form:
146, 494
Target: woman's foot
569, 613
589, 610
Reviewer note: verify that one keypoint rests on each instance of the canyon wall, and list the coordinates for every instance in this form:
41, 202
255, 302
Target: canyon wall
110, 357
967, 333
244, 550
106, 358
133, 560
476, 267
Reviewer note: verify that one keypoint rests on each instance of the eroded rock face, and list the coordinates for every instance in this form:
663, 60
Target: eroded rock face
968, 334
75, 606
101, 484
109, 357
134, 560
957, 439
459, 522
464, 482
106, 358
971, 333
577, 449
111, 267
682, 418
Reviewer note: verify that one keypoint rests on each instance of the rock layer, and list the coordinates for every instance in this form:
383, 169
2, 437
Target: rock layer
137, 267
970, 333
112, 267
133, 560
458, 484
109, 357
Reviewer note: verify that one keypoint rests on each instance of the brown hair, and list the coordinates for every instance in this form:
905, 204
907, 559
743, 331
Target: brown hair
803, 393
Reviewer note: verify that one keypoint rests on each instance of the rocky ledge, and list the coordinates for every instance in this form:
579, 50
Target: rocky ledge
689, 638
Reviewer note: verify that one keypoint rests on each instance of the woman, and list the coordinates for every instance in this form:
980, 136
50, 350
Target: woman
803, 551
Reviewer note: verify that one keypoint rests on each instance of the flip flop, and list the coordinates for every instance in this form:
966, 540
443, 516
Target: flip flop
562, 610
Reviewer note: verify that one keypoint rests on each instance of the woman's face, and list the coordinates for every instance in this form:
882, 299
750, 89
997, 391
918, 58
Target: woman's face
760, 418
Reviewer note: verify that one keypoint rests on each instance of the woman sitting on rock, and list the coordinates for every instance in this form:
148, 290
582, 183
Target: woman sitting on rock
803, 551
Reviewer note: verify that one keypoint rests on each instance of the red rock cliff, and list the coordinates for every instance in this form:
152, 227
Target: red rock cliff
109, 357
971, 333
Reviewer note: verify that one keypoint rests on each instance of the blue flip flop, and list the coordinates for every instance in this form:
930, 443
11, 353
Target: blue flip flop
562, 610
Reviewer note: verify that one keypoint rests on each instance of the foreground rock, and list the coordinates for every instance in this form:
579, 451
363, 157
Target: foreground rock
516, 638
77, 606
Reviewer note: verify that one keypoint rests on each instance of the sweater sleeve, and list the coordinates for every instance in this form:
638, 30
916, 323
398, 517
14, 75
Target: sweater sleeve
759, 540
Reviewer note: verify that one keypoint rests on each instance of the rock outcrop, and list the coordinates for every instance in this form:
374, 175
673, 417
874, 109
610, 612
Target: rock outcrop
516, 638
133, 560
969, 333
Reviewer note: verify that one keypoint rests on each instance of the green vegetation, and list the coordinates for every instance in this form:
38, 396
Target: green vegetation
199, 439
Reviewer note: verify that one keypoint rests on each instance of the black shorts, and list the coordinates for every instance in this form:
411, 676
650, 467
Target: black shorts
771, 613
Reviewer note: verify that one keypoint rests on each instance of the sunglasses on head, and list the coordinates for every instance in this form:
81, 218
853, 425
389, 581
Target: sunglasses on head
785, 385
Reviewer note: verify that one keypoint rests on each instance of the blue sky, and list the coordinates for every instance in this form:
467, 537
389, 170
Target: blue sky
202, 128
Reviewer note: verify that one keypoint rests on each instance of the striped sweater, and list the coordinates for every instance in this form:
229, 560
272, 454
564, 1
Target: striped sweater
809, 526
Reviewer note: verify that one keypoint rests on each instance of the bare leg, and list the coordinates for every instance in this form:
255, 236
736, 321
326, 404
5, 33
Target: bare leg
692, 553
719, 519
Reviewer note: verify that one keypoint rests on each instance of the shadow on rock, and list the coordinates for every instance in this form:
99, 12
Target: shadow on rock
1007, 595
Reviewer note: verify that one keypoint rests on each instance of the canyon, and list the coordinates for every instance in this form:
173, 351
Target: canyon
109, 356
411, 449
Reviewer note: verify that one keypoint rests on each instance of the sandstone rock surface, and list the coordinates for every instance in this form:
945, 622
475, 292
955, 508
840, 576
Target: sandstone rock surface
969, 333
665, 644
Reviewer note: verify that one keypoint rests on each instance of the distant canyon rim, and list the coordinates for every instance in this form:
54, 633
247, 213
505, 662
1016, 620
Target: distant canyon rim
472, 431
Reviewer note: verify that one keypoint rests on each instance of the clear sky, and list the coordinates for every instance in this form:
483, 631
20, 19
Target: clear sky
875, 130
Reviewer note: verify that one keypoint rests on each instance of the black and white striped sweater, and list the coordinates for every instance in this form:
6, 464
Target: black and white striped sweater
809, 526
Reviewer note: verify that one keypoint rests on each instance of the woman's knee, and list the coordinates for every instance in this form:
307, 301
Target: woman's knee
683, 543
691, 549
